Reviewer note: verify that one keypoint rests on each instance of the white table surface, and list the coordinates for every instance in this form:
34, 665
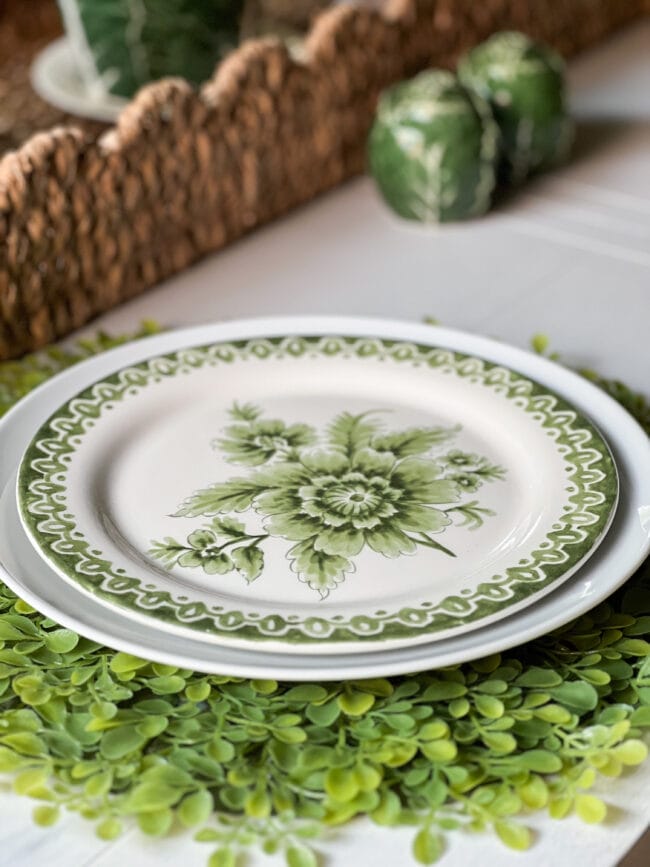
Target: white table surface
569, 255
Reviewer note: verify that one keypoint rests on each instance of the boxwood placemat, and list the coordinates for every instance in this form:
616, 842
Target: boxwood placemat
248, 763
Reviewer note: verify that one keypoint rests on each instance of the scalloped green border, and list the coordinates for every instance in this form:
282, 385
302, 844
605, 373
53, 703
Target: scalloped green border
42, 474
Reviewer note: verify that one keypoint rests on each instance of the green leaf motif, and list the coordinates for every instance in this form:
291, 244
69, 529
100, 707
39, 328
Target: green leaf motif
249, 561
349, 433
320, 570
415, 441
168, 551
228, 528
244, 412
236, 495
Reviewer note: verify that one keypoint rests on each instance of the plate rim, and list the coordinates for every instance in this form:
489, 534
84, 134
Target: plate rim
65, 554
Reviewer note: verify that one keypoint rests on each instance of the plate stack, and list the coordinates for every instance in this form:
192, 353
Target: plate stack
319, 498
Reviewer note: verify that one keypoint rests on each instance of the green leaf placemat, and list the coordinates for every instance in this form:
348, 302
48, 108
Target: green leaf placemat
258, 763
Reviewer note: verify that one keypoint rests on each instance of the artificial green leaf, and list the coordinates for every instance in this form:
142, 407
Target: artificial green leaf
31, 781
540, 761
341, 784
515, 836
109, 829
196, 808
534, 793
355, 703
152, 797
306, 693
46, 815
300, 856
631, 752
121, 663
539, 678
258, 805
388, 810
61, 640
155, 823
427, 846
222, 857
489, 706
577, 696
119, 742
590, 809
325, 714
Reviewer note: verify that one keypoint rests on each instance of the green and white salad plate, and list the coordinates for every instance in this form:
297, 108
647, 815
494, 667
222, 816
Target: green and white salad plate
318, 485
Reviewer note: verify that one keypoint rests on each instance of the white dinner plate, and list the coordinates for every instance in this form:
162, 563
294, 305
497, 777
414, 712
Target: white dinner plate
629, 538
327, 492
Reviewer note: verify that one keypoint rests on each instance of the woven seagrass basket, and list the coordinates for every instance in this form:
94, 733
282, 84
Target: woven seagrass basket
89, 218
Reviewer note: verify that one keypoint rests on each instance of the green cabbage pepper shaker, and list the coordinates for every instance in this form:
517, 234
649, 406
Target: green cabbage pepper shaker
433, 149
524, 83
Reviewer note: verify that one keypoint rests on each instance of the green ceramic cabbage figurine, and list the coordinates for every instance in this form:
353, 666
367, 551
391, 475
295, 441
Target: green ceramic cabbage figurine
119, 45
524, 83
433, 149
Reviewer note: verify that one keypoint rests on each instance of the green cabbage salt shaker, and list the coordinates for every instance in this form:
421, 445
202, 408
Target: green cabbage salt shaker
524, 83
433, 149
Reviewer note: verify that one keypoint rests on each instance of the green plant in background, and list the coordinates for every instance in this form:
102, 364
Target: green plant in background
364, 487
120, 45
258, 763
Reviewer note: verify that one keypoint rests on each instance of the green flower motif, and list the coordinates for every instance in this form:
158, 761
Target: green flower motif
343, 503
456, 458
259, 442
365, 488
466, 481
205, 553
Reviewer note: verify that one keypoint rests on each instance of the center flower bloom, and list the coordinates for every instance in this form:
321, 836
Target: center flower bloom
352, 499
341, 503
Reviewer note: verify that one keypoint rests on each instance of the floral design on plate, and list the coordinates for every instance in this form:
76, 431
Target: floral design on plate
354, 486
